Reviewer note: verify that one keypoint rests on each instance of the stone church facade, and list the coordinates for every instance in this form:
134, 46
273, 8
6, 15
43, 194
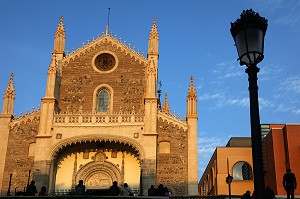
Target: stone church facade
100, 121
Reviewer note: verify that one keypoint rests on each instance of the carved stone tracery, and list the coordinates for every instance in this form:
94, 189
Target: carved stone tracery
99, 174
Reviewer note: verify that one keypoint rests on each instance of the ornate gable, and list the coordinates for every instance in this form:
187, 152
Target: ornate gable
104, 76
105, 39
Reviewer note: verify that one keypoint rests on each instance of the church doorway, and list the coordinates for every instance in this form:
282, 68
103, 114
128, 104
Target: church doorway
98, 164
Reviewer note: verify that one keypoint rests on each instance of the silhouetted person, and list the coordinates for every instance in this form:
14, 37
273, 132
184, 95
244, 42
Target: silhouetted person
31, 189
253, 195
80, 188
43, 191
152, 191
168, 192
160, 191
247, 195
114, 190
126, 190
269, 193
289, 183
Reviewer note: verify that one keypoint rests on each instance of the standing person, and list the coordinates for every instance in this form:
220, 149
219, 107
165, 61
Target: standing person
126, 190
31, 189
152, 191
114, 190
269, 193
80, 188
289, 183
247, 195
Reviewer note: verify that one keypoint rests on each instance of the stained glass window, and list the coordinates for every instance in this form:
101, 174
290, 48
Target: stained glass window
103, 101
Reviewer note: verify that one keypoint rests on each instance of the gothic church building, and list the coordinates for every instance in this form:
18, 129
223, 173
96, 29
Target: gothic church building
100, 121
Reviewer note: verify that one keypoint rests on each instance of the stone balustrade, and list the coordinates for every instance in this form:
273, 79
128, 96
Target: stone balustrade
98, 119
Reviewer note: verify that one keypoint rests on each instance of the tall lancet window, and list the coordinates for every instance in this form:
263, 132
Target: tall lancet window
103, 101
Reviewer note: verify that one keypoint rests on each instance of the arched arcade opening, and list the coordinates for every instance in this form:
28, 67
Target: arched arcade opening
97, 162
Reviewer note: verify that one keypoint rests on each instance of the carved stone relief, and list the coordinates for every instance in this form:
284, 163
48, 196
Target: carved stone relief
79, 80
99, 173
98, 181
132, 93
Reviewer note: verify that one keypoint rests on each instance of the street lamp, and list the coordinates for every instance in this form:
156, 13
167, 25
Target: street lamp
9, 184
229, 179
248, 33
141, 183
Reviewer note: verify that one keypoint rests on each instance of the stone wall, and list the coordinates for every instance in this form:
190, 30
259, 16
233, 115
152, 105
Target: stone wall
80, 79
172, 167
18, 163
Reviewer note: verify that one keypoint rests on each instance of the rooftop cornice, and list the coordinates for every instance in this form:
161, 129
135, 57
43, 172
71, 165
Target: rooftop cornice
176, 120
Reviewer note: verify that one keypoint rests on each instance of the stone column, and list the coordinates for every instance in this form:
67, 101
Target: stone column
4, 133
148, 163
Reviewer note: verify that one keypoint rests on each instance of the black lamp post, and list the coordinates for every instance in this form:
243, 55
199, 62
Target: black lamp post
229, 179
28, 179
9, 184
248, 33
141, 183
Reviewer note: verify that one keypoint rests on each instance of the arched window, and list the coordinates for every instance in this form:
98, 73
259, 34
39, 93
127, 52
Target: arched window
103, 97
103, 101
242, 171
164, 147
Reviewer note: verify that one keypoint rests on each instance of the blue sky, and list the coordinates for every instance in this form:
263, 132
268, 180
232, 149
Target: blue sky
194, 40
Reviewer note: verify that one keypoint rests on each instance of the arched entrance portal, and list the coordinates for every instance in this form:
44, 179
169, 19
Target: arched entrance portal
97, 162
99, 173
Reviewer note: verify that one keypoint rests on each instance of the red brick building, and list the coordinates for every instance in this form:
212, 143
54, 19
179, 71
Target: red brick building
282, 152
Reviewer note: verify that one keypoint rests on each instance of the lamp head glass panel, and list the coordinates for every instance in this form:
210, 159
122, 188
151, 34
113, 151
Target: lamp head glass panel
249, 44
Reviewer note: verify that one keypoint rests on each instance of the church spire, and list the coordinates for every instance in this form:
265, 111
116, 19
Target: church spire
153, 40
9, 97
192, 117
51, 77
192, 99
60, 38
166, 107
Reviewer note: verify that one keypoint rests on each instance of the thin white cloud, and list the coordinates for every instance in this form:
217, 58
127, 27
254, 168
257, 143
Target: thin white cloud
290, 19
284, 108
208, 96
270, 72
285, 12
243, 102
206, 148
220, 100
231, 75
207, 145
291, 84
297, 112
199, 86
226, 69
265, 103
